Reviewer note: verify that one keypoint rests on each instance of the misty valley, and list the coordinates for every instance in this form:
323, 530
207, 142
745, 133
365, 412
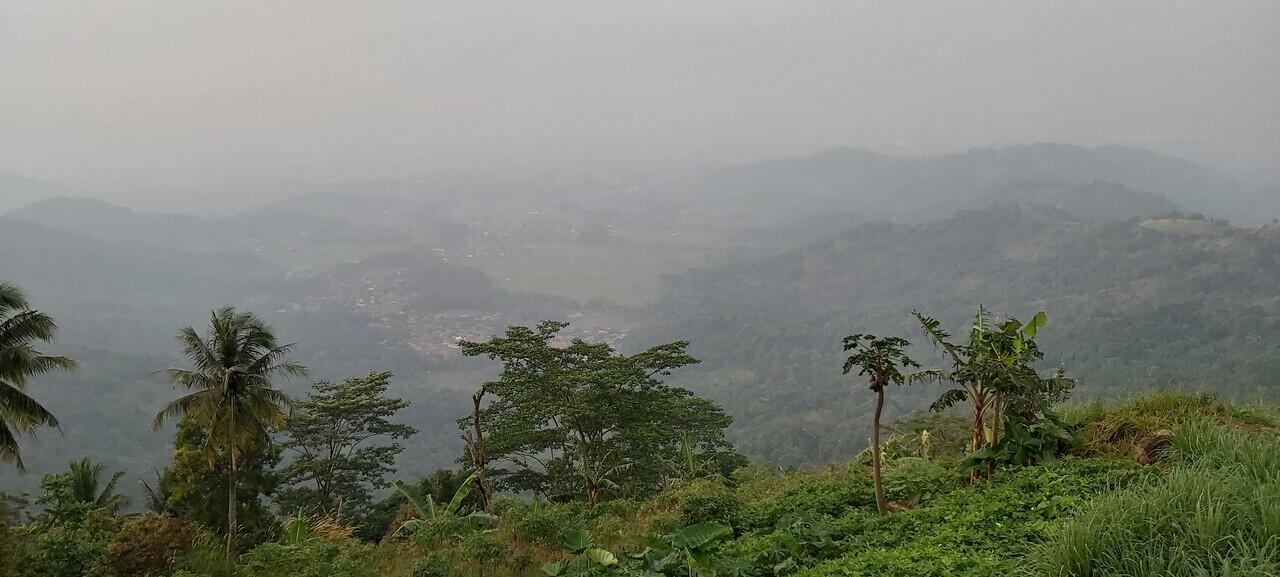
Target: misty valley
662, 377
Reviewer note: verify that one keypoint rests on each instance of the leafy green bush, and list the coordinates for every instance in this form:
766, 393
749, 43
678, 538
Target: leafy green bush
483, 547
540, 524
12, 546
919, 481
69, 542
208, 558
983, 530
150, 545
310, 558
686, 551
433, 565
831, 496
706, 501
432, 532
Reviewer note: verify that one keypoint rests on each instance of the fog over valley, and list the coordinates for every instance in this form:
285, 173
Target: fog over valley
718, 200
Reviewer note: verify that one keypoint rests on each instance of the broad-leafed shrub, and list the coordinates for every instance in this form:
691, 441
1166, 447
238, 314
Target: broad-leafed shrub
708, 501
150, 545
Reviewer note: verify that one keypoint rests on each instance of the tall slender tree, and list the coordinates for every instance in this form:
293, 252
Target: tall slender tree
232, 396
881, 360
20, 328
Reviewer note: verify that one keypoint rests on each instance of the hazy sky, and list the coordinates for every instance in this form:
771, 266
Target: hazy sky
186, 93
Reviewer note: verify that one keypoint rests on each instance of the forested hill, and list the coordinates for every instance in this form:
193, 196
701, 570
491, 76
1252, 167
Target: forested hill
1135, 304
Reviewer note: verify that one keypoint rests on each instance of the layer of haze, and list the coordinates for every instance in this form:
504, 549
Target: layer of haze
186, 99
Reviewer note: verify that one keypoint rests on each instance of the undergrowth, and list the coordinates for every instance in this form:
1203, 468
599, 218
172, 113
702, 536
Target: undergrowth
1211, 508
1217, 512
1101, 430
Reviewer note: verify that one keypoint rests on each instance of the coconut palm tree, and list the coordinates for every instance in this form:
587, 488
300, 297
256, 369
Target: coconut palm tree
86, 477
157, 495
20, 328
232, 398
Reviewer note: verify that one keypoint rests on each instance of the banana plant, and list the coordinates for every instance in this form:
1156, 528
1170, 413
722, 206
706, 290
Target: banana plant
688, 465
994, 372
597, 477
428, 512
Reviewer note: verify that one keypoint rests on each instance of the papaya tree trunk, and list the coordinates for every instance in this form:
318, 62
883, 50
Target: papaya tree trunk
881, 505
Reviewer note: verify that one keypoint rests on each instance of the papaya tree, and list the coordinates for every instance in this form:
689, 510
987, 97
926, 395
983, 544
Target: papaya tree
881, 360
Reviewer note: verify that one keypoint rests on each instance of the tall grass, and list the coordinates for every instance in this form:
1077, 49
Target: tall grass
1103, 430
1216, 513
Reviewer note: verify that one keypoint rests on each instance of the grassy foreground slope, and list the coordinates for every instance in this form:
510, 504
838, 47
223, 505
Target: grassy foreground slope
1208, 503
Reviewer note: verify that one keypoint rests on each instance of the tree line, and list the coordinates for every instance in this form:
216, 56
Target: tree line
564, 420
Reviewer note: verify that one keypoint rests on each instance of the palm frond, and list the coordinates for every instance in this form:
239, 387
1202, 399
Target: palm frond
11, 298
949, 399
197, 350
27, 326
9, 450
191, 379
157, 498
936, 376
940, 337
182, 406
22, 411
108, 499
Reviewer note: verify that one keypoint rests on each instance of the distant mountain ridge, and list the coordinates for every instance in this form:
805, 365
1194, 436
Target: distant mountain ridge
18, 191
1098, 184
106, 221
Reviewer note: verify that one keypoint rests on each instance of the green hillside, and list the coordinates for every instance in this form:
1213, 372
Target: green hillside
1207, 503
1133, 305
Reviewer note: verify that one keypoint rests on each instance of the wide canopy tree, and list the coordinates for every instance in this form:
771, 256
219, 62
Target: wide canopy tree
232, 396
21, 327
570, 418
